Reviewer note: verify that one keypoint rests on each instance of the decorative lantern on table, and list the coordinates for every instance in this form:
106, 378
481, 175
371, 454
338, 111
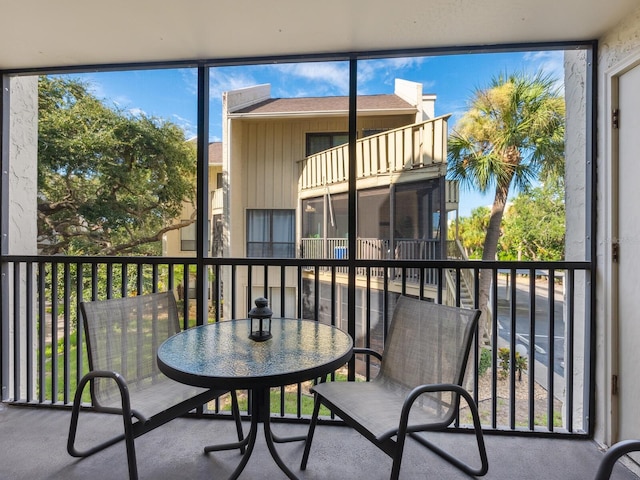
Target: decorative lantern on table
260, 320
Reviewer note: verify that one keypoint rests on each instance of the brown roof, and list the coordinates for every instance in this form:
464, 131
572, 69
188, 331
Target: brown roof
215, 153
326, 104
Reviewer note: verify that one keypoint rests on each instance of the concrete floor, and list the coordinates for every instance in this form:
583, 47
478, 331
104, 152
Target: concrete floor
33, 447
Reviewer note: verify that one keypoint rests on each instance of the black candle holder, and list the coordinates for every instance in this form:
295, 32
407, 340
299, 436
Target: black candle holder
260, 317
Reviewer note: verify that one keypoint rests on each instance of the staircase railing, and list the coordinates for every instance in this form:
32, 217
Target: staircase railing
456, 251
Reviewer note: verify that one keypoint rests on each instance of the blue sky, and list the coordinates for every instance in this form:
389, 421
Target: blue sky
171, 94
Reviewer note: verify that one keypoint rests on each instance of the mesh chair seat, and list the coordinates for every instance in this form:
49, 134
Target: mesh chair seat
377, 406
418, 387
152, 399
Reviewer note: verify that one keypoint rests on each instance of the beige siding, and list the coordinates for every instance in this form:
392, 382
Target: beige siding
271, 149
171, 240
263, 164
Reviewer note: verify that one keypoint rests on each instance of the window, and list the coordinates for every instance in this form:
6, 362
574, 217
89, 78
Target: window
374, 213
188, 237
317, 142
271, 233
417, 211
313, 218
338, 219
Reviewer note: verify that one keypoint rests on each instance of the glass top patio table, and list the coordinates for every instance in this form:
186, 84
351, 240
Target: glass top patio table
221, 355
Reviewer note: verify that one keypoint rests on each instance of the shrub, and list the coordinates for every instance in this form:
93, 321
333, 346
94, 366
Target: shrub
504, 355
485, 361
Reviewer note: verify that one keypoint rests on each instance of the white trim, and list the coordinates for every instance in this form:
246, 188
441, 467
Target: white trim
610, 282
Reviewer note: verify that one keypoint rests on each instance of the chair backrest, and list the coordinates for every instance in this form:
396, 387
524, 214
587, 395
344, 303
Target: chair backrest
123, 336
428, 343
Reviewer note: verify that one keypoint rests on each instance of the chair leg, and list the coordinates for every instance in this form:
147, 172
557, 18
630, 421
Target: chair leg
128, 435
484, 462
397, 457
73, 428
312, 428
235, 410
131, 448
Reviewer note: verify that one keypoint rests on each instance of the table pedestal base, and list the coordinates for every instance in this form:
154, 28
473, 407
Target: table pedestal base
260, 413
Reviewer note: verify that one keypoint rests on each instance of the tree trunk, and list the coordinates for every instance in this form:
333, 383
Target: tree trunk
489, 253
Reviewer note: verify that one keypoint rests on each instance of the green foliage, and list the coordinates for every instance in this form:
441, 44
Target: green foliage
472, 231
117, 277
485, 361
534, 226
109, 182
504, 356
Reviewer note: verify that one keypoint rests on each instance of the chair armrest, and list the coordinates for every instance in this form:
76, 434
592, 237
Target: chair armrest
434, 387
613, 454
122, 386
367, 351
413, 395
119, 379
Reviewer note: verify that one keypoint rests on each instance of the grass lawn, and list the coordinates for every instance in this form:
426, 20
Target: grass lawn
73, 369
290, 399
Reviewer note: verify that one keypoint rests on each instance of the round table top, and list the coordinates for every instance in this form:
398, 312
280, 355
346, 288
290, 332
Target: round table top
221, 355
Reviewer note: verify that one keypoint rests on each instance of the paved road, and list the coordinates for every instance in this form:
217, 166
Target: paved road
541, 342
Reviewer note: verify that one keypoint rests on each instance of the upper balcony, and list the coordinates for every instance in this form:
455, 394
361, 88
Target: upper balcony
217, 203
419, 149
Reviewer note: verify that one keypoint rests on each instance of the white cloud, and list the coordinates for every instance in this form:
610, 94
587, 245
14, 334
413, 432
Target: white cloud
550, 62
386, 70
137, 112
223, 80
327, 77
187, 126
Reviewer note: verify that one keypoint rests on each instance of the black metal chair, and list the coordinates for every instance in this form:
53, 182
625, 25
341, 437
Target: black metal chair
122, 337
418, 387
613, 455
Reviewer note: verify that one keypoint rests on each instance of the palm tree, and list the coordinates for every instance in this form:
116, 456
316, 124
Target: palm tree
511, 136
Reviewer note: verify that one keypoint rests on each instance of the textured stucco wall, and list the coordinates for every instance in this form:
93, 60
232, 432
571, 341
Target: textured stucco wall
23, 166
615, 48
576, 207
20, 165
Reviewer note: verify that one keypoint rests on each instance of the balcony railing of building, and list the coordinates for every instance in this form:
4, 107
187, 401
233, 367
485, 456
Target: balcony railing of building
414, 147
217, 199
540, 324
375, 249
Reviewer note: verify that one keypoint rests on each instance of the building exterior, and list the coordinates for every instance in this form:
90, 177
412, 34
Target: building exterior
182, 242
285, 181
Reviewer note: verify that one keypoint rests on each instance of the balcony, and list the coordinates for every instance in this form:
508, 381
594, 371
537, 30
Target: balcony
44, 293
542, 303
420, 148
217, 201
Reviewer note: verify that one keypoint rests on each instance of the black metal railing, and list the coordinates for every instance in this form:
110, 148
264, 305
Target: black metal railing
523, 375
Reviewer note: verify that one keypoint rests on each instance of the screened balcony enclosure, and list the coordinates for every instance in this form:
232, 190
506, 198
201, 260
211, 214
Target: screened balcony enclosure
323, 183
275, 209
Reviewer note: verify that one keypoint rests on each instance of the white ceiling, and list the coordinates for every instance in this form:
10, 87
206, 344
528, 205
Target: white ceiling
47, 33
